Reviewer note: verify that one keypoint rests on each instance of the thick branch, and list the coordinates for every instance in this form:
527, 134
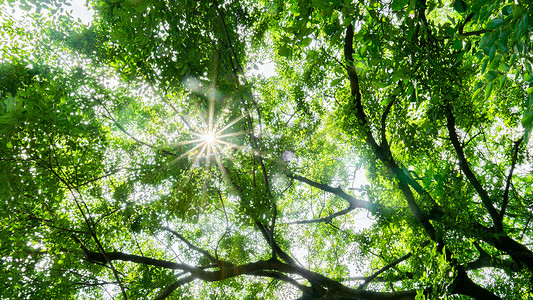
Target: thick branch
462, 25
262, 268
463, 164
176, 284
389, 278
115, 255
493, 262
476, 32
463, 285
285, 278
271, 268
381, 153
516, 250
337, 289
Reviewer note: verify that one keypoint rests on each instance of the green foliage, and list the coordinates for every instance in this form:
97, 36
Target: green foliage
148, 138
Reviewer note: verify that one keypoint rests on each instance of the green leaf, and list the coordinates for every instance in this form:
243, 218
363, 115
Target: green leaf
386, 100
484, 64
306, 41
460, 6
492, 52
507, 10
502, 81
479, 85
488, 90
491, 75
397, 5
457, 45
504, 67
493, 24
284, 51
335, 82
527, 120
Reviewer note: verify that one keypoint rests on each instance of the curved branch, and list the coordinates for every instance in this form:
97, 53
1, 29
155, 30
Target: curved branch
271, 268
208, 255
388, 279
475, 32
462, 25
285, 278
463, 164
382, 153
171, 288
276, 250
493, 262
384, 123
354, 202
505, 198
463, 285
115, 255
389, 266
516, 250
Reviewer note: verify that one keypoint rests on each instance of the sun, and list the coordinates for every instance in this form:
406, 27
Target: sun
210, 137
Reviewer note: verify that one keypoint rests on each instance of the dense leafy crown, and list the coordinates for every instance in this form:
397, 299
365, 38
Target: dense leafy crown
146, 154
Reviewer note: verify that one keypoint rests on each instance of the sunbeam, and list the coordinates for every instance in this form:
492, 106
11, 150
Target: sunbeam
211, 137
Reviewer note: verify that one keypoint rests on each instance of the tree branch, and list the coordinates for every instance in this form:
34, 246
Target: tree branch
354, 202
276, 250
208, 255
493, 262
462, 25
381, 153
389, 266
463, 164
475, 32
384, 123
285, 278
518, 252
171, 288
271, 268
326, 219
463, 285
399, 277
505, 198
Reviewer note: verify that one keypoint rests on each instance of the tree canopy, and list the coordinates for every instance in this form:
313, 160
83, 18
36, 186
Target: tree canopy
146, 154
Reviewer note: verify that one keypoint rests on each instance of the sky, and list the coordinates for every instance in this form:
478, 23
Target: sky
80, 10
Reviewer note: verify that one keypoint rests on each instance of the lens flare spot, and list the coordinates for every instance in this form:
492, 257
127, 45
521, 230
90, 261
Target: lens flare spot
209, 138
